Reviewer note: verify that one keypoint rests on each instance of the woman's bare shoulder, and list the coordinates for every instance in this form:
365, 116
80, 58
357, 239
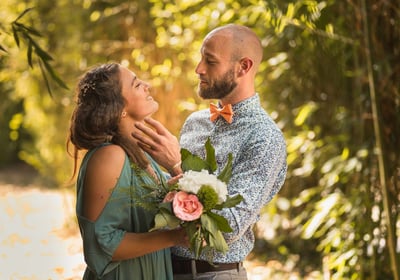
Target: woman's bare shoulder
102, 174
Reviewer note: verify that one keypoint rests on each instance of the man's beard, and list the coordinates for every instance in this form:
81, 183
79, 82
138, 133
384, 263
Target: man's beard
219, 88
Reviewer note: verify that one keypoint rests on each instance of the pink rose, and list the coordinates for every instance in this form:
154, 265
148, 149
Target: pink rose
187, 207
169, 196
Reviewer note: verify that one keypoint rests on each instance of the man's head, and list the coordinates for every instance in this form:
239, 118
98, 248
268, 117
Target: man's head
230, 56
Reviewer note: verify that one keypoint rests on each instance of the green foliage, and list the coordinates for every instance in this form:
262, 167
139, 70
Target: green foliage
29, 128
229, 202
208, 197
194, 162
226, 173
21, 31
210, 156
165, 218
214, 225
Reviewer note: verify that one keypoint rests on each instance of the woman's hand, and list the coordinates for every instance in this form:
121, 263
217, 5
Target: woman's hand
181, 237
174, 180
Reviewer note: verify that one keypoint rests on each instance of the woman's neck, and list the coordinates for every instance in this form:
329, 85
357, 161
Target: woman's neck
127, 127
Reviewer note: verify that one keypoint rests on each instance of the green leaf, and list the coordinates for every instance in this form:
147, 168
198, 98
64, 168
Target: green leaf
159, 222
192, 162
195, 237
226, 173
46, 80
29, 55
22, 14
210, 156
166, 206
214, 220
209, 223
28, 29
38, 50
2, 48
54, 75
217, 241
15, 34
213, 223
197, 244
305, 112
230, 202
164, 219
191, 228
195, 163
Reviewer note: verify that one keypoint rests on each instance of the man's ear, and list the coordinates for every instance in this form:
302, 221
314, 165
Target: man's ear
245, 65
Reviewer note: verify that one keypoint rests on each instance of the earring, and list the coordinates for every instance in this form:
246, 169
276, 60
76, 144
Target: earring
123, 114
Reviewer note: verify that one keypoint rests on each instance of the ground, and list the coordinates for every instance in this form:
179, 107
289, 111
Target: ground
39, 237
38, 234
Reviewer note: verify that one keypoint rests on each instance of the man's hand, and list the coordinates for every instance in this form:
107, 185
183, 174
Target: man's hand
160, 144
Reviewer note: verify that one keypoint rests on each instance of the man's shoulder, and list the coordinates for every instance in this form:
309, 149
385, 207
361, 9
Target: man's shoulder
259, 120
200, 114
197, 117
261, 128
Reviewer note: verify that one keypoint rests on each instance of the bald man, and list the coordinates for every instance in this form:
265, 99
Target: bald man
230, 56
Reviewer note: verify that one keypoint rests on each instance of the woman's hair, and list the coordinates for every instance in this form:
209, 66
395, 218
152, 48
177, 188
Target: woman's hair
98, 110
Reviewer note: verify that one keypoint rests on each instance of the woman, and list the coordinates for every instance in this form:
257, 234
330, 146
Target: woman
115, 230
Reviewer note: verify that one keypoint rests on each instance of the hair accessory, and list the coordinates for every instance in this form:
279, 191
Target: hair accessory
109, 138
88, 86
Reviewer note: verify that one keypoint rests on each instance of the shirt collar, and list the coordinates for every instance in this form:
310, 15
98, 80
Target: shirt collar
246, 104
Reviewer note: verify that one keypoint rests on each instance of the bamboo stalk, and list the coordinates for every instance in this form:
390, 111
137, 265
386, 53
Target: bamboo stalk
383, 178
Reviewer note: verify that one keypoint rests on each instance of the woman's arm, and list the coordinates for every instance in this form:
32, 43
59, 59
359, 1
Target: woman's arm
138, 244
103, 171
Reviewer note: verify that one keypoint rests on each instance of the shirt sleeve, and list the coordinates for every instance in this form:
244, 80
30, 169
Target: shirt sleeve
258, 173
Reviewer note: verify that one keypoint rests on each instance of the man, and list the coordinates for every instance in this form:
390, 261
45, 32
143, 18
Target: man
230, 56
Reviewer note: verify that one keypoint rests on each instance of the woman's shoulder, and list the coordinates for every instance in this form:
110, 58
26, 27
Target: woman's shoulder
103, 171
107, 160
111, 151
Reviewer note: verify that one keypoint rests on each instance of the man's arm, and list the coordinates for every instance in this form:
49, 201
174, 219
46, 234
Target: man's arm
258, 174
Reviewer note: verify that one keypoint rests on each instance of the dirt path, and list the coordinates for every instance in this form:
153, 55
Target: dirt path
38, 238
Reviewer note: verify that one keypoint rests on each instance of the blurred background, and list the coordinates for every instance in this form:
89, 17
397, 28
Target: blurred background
330, 78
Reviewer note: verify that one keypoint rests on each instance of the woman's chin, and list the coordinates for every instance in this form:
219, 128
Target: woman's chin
156, 106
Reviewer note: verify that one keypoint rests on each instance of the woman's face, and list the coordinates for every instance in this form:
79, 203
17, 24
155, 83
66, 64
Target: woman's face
138, 101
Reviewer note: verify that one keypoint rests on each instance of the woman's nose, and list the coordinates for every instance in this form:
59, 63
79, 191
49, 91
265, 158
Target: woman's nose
147, 85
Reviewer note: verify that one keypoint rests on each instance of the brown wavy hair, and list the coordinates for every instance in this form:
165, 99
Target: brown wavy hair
95, 119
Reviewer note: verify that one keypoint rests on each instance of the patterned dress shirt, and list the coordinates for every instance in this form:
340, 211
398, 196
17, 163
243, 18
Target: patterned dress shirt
258, 167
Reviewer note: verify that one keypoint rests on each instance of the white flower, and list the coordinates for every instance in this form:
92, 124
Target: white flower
192, 181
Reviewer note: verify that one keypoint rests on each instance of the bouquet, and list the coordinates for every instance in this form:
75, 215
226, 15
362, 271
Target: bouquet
192, 201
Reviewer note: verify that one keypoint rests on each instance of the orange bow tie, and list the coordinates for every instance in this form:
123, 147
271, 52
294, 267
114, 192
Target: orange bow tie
225, 112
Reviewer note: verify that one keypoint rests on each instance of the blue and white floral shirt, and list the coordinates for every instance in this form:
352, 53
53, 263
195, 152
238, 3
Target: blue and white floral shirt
258, 168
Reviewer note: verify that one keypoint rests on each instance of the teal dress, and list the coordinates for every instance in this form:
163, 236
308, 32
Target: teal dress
120, 215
